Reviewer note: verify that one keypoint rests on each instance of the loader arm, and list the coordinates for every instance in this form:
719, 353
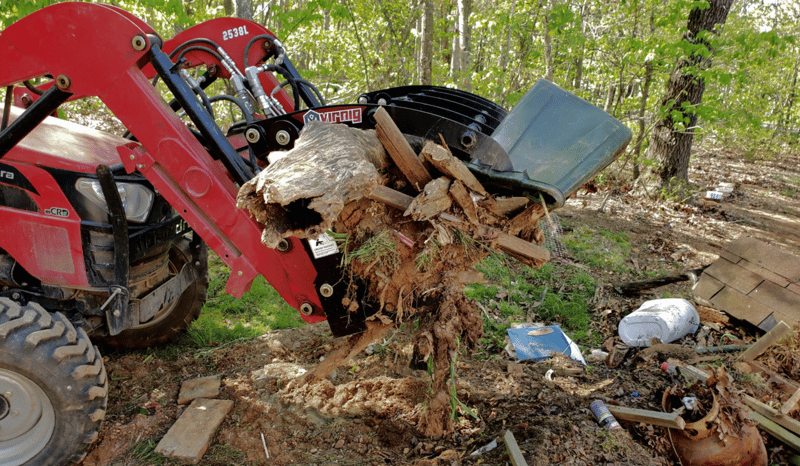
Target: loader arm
70, 42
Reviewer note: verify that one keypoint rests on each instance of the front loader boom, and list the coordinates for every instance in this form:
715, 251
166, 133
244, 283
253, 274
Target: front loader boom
71, 42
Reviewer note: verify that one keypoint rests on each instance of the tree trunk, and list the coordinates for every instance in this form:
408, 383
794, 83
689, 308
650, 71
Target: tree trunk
637, 150
582, 52
464, 33
787, 119
548, 45
244, 9
673, 133
648, 79
228, 6
507, 49
426, 50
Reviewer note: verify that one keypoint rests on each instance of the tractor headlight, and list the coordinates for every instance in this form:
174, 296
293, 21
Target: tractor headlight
137, 200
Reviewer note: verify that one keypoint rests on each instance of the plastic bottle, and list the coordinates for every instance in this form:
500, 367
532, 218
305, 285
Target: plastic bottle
665, 319
603, 415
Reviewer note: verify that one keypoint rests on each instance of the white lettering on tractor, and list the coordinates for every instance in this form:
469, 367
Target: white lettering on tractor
57, 211
6, 175
353, 115
234, 32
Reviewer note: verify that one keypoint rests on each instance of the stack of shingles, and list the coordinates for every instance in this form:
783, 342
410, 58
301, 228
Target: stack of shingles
755, 282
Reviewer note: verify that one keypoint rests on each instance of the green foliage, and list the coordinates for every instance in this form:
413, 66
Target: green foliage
606, 249
566, 292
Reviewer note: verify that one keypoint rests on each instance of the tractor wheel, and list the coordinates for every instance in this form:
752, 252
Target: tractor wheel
175, 317
53, 387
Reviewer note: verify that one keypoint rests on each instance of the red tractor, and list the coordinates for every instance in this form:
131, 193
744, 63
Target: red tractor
104, 236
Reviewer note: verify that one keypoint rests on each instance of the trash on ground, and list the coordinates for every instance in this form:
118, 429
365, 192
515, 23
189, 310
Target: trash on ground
539, 343
664, 319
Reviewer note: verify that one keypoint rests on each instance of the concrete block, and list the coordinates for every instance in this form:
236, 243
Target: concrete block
189, 438
204, 387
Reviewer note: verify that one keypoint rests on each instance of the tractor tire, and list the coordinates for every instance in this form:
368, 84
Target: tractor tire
53, 387
175, 317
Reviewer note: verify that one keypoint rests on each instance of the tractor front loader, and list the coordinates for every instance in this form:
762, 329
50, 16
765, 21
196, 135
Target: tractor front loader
104, 236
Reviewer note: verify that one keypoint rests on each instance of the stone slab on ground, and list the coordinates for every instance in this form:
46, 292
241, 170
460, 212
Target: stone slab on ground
204, 387
189, 438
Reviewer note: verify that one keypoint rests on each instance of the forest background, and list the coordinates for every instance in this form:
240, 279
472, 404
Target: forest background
633, 58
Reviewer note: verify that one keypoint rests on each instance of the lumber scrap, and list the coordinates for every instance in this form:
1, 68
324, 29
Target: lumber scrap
303, 193
400, 150
460, 194
791, 403
445, 162
781, 383
526, 218
514, 453
776, 431
765, 342
773, 415
432, 201
671, 420
527, 252
509, 205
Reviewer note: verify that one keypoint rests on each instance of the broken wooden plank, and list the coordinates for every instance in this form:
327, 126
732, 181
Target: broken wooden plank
391, 197
671, 420
464, 200
400, 150
781, 383
774, 429
509, 205
791, 403
514, 453
765, 342
190, 436
446, 163
526, 218
529, 253
432, 201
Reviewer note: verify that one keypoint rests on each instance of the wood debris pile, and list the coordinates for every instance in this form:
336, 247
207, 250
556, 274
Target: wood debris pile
409, 226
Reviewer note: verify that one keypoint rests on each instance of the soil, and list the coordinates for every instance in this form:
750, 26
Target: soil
371, 410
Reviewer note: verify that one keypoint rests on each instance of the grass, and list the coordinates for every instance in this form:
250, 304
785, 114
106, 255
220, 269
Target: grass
566, 292
599, 248
225, 319
555, 293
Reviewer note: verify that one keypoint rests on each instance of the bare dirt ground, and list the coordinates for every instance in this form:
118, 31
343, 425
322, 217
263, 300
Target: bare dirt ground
368, 411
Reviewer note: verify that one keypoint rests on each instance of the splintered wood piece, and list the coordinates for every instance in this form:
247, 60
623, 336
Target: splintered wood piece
446, 163
773, 415
671, 420
432, 201
400, 151
526, 218
514, 453
508, 205
471, 276
791, 403
529, 253
776, 430
303, 193
765, 342
464, 200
